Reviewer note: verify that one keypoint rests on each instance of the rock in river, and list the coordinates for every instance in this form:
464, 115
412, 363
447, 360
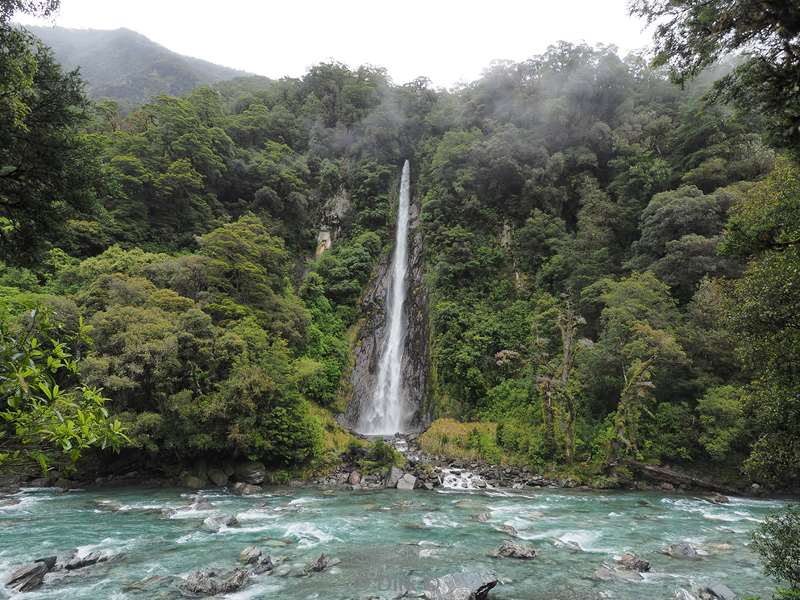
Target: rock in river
393, 477
462, 586
681, 550
246, 489
252, 472
514, 550
406, 482
632, 562
217, 523
717, 499
87, 560
607, 573
217, 476
260, 562
30, 577
717, 591
322, 563
211, 583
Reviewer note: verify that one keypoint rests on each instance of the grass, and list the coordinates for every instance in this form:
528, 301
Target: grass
468, 441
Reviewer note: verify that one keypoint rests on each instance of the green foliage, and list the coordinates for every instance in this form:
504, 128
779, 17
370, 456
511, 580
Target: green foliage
380, 457
693, 34
721, 414
49, 416
48, 171
777, 540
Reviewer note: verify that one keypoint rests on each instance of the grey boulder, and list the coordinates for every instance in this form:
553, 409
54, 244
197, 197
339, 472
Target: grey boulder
260, 562
682, 550
246, 489
252, 472
406, 482
717, 591
217, 523
514, 550
30, 577
606, 573
93, 558
211, 583
631, 562
323, 563
461, 586
394, 476
218, 477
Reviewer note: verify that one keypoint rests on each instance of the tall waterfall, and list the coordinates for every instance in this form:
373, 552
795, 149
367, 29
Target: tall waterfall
386, 413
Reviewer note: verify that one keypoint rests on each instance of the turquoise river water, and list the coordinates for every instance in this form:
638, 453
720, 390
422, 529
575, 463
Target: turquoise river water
387, 541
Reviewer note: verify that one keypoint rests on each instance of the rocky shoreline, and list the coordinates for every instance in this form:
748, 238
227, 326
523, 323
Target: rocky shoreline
420, 472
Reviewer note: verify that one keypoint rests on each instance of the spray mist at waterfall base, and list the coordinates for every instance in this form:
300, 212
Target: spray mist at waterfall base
387, 412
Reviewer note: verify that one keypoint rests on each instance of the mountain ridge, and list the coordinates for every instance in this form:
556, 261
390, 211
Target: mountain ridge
128, 67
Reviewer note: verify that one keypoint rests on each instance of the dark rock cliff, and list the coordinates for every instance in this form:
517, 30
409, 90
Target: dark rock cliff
370, 338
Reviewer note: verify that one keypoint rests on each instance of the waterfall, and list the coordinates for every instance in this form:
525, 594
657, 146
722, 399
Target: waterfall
386, 412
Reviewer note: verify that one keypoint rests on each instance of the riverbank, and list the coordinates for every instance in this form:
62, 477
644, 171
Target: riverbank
394, 462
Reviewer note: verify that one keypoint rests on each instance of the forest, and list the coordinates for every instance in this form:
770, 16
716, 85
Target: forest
611, 247
611, 251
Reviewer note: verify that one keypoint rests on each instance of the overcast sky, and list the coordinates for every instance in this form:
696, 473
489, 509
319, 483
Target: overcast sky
446, 40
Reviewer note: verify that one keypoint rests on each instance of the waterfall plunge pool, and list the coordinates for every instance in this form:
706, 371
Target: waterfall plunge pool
387, 541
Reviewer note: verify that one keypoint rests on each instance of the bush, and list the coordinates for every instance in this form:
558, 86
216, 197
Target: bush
777, 540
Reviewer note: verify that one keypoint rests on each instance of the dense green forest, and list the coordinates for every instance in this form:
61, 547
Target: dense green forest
611, 257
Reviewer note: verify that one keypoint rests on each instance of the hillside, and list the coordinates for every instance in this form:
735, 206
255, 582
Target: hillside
126, 66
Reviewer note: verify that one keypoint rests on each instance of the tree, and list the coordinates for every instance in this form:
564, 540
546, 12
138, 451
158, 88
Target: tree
46, 166
692, 34
777, 540
38, 8
647, 347
761, 310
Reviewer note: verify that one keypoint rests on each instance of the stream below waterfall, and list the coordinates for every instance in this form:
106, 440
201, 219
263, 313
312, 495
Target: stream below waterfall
387, 541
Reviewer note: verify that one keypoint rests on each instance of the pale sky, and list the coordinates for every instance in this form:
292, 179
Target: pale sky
446, 40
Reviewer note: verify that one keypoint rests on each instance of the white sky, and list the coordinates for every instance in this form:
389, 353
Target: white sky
446, 40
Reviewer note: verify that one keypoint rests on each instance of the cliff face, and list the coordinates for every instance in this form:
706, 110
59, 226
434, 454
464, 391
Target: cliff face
370, 338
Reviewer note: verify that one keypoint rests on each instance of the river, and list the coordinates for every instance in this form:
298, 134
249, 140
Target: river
387, 541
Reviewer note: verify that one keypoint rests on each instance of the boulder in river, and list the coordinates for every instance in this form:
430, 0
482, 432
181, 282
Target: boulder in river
246, 489
631, 562
252, 472
354, 478
717, 499
87, 560
717, 591
483, 517
406, 482
30, 577
474, 585
681, 550
323, 563
201, 503
514, 550
217, 523
509, 530
395, 473
217, 476
106, 505
211, 583
250, 555
607, 573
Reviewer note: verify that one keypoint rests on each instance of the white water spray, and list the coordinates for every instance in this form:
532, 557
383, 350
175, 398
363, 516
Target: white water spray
386, 413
